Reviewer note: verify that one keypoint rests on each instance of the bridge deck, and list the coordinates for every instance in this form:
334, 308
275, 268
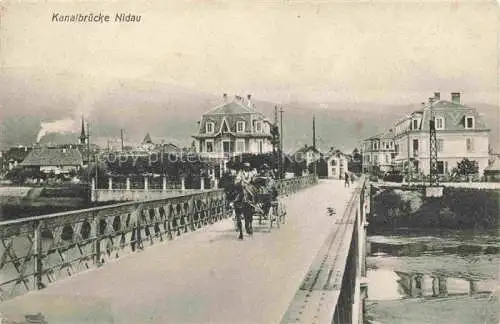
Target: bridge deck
204, 277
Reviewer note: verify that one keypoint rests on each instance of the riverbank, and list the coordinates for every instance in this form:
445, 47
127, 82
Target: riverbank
459, 208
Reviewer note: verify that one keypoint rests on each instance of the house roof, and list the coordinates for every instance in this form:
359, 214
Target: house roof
454, 116
233, 107
53, 157
229, 114
17, 153
168, 147
147, 139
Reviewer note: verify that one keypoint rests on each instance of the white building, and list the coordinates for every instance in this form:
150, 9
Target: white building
379, 152
336, 162
233, 127
461, 132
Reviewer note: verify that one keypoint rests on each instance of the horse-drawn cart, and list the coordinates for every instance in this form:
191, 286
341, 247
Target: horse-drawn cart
261, 202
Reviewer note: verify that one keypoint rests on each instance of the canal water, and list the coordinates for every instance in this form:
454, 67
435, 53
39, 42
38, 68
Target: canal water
433, 277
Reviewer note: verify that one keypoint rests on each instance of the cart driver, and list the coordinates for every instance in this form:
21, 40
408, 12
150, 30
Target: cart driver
244, 176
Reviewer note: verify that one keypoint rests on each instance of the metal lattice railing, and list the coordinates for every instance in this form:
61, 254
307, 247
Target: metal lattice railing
37, 251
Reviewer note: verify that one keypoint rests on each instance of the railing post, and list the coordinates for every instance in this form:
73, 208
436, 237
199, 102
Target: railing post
164, 184
127, 183
183, 184
110, 183
93, 190
202, 183
146, 183
95, 234
37, 251
139, 244
216, 183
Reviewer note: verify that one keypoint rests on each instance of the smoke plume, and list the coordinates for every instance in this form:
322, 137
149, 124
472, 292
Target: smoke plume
58, 126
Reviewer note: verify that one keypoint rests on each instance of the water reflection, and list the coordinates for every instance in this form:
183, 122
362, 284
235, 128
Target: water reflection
392, 285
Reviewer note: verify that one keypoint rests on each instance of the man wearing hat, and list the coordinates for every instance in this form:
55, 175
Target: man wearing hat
245, 175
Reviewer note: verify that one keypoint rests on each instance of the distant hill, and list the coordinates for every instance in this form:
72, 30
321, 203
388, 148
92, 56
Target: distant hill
171, 113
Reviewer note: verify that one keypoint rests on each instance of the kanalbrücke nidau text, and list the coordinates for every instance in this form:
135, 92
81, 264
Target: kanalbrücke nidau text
96, 18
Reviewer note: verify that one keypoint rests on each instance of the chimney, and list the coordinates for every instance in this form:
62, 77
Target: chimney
437, 96
249, 103
431, 100
455, 97
224, 96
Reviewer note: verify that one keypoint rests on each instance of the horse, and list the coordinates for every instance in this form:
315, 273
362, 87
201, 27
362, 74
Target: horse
240, 196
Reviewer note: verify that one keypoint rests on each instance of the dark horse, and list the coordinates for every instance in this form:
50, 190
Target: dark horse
242, 198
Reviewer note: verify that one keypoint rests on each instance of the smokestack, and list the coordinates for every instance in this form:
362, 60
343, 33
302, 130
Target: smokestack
314, 132
455, 97
224, 96
437, 96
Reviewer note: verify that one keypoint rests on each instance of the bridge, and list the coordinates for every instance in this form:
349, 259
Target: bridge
178, 260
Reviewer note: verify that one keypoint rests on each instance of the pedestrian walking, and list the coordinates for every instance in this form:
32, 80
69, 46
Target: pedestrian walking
346, 180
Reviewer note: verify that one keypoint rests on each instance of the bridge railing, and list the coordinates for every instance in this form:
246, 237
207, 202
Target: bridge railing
331, 291
37, 251
292, 185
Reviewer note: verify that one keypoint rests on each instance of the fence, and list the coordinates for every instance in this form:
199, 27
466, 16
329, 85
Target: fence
37, 251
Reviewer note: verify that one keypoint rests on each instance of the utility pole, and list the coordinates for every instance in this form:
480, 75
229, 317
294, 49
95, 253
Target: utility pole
121, 135
281, 143
314, 146
433, 169
89, 175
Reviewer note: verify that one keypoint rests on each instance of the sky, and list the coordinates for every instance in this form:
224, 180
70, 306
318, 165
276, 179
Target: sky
381, 52
370, 51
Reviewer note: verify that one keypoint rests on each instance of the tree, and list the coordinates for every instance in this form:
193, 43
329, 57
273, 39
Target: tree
356, 163
467, 167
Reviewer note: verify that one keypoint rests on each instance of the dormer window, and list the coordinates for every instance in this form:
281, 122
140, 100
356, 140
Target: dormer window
258, 127
469, 122
414, 124
240, 126
209, 127
439, 123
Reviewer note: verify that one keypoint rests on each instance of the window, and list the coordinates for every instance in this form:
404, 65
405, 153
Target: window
240, 146
386, 159
209, 146
260, 146
469, 122
469, 142
209, 127
414, 124
415, 145
333, 162
258, 127
439, 123
440, 167
227, 147
440, 145
240, 126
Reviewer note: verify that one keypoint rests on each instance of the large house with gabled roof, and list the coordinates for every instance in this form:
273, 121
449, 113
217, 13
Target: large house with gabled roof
233, 127
461, 132
53, 159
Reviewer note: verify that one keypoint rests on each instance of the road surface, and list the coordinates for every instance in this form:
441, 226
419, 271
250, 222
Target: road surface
203, 277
